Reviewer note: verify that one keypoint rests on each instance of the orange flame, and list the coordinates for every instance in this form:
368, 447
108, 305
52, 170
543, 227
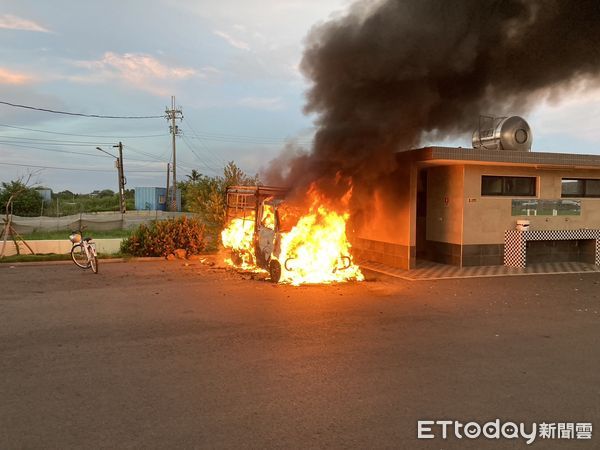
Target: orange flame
238, 235
314, 250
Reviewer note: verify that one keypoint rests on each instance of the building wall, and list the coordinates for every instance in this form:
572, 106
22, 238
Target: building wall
388, 236
486, 218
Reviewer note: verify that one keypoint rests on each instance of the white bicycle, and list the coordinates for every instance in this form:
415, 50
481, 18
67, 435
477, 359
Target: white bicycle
83, 252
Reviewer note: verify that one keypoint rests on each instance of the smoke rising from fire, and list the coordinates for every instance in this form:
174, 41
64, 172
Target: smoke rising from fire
390, 73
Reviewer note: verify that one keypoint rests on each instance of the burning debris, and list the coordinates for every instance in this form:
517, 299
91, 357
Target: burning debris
238, 235
296, 245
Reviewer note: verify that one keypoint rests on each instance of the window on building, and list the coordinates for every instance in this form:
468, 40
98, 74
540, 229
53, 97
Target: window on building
580, 187
508, 186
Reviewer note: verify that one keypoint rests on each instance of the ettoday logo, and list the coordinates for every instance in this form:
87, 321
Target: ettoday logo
496, 429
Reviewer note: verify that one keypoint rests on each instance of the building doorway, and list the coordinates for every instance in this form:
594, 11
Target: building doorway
421, 225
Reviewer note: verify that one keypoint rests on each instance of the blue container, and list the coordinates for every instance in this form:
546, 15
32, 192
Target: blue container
153, 199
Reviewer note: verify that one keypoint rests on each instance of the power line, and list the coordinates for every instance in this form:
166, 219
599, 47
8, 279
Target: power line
149, 155
85, 135
76, 168
210, 160
55, 150
53, 141
19, 145
212, 169
250, 138
200, 141
236, 140
96, 116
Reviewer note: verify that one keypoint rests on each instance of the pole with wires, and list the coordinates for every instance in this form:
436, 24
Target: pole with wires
172, 115
120, 174
121, 178
167, 191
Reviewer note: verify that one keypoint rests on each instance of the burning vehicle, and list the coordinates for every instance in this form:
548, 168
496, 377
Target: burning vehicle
295, 245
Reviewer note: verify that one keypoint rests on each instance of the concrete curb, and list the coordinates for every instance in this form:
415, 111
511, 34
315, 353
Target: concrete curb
68, 261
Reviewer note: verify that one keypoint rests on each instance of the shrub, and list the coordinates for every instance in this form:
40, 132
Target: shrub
164, 237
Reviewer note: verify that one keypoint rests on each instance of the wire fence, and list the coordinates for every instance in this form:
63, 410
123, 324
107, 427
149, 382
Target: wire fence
100, 221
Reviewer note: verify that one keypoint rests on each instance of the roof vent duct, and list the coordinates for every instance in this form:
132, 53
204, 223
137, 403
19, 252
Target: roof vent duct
503, 133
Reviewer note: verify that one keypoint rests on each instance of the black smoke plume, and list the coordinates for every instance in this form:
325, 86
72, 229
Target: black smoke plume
391, 72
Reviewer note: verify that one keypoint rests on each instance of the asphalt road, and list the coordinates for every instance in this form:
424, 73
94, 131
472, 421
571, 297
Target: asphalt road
163, 355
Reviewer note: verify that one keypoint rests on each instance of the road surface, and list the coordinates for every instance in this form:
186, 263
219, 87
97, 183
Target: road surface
167, 355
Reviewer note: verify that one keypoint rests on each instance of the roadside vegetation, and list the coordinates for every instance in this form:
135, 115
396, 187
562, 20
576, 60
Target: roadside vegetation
205, 196
202, 195
29, 202
166, 237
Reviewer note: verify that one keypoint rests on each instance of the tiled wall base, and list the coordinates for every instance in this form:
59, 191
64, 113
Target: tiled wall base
442, 252
394, 255
483, 255
561, 251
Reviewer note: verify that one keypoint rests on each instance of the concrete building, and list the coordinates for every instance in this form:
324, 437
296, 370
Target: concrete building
460, 206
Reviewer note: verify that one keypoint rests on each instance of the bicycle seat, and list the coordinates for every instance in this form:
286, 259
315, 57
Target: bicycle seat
87, 239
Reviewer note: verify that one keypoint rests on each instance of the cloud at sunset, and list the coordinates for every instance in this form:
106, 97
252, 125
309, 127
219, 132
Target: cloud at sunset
9, 77
10, 22
140, 70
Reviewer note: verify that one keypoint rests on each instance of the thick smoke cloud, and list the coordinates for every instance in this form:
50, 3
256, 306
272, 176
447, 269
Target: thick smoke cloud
384, 78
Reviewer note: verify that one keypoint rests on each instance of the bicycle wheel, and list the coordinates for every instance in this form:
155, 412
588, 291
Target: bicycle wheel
79, 257
94, 263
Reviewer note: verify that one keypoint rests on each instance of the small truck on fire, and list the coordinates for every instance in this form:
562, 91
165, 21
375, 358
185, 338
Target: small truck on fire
259, 209
262, 211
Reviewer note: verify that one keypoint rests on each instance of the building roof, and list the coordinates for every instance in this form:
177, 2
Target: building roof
459, 155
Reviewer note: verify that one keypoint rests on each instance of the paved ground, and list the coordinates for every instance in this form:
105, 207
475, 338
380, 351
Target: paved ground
159, 354
427, 270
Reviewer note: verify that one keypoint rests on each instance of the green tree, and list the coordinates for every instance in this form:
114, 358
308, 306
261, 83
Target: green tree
234, 176
26, 201
206, 195
194, 176
106, 193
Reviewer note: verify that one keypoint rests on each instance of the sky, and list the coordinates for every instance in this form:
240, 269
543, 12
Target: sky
232, 66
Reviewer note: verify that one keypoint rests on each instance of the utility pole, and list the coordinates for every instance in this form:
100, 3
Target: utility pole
120, 174
172, 115
167, 193
122, 180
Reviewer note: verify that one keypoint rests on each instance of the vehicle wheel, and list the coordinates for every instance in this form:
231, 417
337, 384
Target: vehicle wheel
94, 264
79, 257
275, 270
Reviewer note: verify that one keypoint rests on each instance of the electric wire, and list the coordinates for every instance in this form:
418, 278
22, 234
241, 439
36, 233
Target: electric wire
209, 155
95, 116
76, 168
54, 141
85, 135
211, 160
217, 157
56, 150
201, 160
19, 145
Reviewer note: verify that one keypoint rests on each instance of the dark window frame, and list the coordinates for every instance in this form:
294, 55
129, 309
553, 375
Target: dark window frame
504, 191
584, 194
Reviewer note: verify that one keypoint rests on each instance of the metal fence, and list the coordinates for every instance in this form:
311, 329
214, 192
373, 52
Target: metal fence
101, 221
